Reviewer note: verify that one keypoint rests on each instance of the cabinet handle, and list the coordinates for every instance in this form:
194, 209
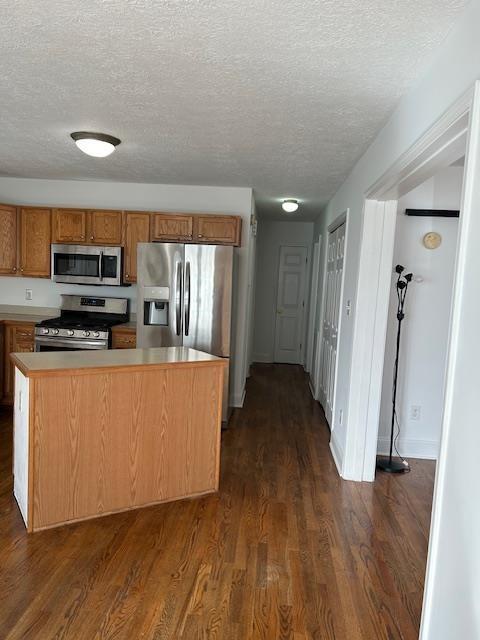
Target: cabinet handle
14, 269
21, 269
92, 238
200, 235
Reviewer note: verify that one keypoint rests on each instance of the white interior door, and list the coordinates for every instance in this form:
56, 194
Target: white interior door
289, 323
312, 308
334, 277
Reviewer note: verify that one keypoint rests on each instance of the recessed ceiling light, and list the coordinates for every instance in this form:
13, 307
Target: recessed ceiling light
290, 206
98, 145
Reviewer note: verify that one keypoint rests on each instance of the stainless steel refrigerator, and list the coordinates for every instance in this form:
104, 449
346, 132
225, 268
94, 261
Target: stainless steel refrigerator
185, 298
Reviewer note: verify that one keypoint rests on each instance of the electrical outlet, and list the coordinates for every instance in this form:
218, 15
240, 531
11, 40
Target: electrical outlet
415, 412
28, 294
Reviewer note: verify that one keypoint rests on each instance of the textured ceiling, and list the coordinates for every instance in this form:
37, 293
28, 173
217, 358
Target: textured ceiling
279, 96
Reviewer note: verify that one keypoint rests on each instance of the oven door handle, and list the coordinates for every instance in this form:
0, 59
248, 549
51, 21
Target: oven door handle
67, 342
100, 266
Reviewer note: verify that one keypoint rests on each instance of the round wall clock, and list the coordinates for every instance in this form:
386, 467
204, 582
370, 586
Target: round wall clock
432, 240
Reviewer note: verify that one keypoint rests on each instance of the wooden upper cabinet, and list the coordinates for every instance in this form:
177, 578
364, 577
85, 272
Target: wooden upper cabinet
35, 235
106, 227
137, 229
218, 229
69, 225
172, 226
8, 240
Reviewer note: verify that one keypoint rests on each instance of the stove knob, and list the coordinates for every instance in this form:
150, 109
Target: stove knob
44, 331
55, 332
96, 334
86, 333
71, 332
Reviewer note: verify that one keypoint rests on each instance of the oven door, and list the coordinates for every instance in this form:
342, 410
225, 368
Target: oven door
82, 264
43, 343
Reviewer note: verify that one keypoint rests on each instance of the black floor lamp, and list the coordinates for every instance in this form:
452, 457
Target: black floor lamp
383, 463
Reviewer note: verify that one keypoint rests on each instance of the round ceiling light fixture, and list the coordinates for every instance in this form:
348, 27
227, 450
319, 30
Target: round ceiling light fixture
290, 205
98, 145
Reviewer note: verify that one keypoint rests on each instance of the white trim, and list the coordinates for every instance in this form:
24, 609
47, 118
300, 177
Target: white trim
339, 220
469, 208
337, 454
410, 448
446, 129
237, 400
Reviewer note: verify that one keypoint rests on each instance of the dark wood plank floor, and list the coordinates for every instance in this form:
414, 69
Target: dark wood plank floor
286, 550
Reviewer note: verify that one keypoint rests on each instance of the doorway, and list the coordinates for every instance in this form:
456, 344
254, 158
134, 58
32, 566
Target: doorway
290, 309
333, 288
425, 245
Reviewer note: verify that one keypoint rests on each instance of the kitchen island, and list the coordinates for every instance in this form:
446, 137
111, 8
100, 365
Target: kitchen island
106, 431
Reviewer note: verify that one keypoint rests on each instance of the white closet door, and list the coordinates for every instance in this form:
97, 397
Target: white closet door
289, 323
331, 318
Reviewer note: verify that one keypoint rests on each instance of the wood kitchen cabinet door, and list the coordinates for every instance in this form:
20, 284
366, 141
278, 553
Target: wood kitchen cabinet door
218, 229
69, 225
17, 339
8, 240
106, 227
35, 236
171, 226
124, 338
137, 229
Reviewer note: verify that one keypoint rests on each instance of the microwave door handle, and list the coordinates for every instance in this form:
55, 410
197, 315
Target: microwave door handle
187, 298
100, 266
178, 299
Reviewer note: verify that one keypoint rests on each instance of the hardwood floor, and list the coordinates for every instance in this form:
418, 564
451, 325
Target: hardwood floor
286, 550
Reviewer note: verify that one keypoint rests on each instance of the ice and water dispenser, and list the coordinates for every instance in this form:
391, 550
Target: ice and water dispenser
155, 305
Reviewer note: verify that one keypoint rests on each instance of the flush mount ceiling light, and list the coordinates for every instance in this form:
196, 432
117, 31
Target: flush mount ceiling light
290, 206
98, 145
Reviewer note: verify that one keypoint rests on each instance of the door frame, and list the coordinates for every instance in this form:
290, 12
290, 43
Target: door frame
307, 284
312, 305
440, 145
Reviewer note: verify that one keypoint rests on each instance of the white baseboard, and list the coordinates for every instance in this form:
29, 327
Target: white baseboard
410, 448
263, 357
237, 399
337, 453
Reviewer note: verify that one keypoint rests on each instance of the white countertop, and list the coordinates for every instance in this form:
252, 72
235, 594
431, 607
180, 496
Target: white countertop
56, 362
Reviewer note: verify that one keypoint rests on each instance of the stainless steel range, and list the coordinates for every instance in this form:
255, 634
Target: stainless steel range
85, 322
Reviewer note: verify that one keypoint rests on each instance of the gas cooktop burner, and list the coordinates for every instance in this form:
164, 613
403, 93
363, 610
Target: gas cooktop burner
81, 325
71, 323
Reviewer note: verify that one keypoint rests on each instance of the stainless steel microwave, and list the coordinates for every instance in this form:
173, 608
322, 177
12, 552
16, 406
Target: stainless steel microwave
86, 264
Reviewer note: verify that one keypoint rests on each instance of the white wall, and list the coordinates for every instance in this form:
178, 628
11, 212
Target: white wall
453, 72
425, 329
272, 235
150, 197
452, 607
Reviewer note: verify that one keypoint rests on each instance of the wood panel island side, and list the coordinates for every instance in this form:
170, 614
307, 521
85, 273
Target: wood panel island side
106, 431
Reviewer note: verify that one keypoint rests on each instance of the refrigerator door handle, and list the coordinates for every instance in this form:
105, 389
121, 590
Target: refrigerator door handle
178, 299
187, 298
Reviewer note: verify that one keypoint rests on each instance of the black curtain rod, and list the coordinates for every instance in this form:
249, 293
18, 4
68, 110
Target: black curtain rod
433, 213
